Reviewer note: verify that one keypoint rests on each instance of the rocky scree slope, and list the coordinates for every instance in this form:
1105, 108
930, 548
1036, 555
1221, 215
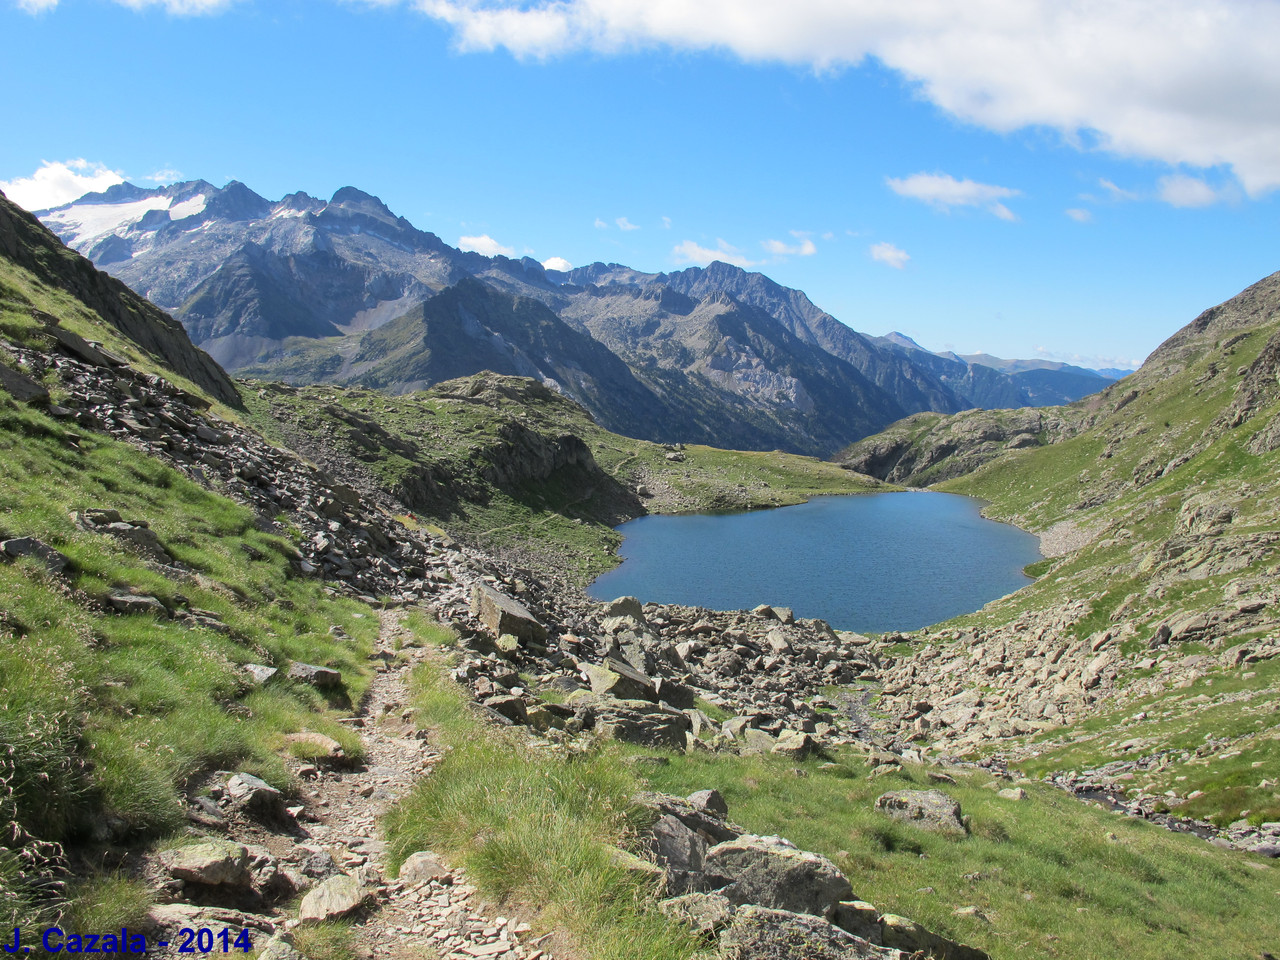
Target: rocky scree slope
269, 285
1158, 507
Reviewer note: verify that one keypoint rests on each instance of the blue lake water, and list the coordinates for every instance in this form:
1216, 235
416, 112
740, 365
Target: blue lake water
877, 562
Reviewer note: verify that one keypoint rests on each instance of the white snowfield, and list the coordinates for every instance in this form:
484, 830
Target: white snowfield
82, 223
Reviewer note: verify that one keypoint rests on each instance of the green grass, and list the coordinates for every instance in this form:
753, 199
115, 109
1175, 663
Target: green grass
107, 717
1044, 870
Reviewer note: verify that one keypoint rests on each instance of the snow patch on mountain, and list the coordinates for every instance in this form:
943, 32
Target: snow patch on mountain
80, 223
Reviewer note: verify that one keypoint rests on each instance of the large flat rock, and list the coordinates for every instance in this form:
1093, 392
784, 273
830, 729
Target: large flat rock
775, 873
502, 614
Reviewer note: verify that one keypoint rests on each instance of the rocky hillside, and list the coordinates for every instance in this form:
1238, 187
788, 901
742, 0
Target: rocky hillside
1157, 503
301, 290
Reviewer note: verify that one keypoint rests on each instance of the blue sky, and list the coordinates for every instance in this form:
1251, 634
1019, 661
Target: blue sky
1073, 181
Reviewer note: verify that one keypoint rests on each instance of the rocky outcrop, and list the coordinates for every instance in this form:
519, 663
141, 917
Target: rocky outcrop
762, 898
927, 448
926, 809
26, 242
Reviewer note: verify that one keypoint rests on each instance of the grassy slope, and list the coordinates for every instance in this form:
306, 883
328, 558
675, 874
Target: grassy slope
1054, 877
107, 717
1133, 578
567, 517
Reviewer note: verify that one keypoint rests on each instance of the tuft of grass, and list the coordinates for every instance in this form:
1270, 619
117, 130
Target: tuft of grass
107, 902
331, 940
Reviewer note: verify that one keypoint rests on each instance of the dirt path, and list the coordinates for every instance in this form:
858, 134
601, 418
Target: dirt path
439, 917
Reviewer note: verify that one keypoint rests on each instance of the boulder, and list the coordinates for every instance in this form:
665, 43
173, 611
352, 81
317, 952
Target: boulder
260, 672
860, 918
31, 547
758, 933
424, 866
335, 898
794, 745
1012, 793
279, 947
624, 607
214, 863
709, 800
513, 708
757, 741
640, 722
704, 913
773, 872
501, 614
705, 821
619, 680
927, 809
908, 936
680, 850
323, 678
254, 795
21, 388
131, 603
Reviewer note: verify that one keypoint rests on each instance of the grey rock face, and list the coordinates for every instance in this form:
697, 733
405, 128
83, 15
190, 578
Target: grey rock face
772, 872
927, 809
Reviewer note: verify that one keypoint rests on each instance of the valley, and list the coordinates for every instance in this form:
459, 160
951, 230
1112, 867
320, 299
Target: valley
314, 660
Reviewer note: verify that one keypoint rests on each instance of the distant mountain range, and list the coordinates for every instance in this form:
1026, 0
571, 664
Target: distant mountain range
345, 291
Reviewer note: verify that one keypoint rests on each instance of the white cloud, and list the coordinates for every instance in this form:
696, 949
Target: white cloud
805, 247
1117, 193
1192, 82
625, 224
485, 244
601, 225
1179, 190
57, 183
36, 6
557, 263
1079, 214
889, 255
165, 175
944, 191
666, 223
691, 252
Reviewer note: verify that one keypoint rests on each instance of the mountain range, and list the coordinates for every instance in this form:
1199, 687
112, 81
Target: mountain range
345, 291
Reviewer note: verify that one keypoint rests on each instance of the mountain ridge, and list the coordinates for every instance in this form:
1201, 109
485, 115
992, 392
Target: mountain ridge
252, 279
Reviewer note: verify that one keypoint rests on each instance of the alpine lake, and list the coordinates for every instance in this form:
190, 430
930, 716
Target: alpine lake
870, 563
